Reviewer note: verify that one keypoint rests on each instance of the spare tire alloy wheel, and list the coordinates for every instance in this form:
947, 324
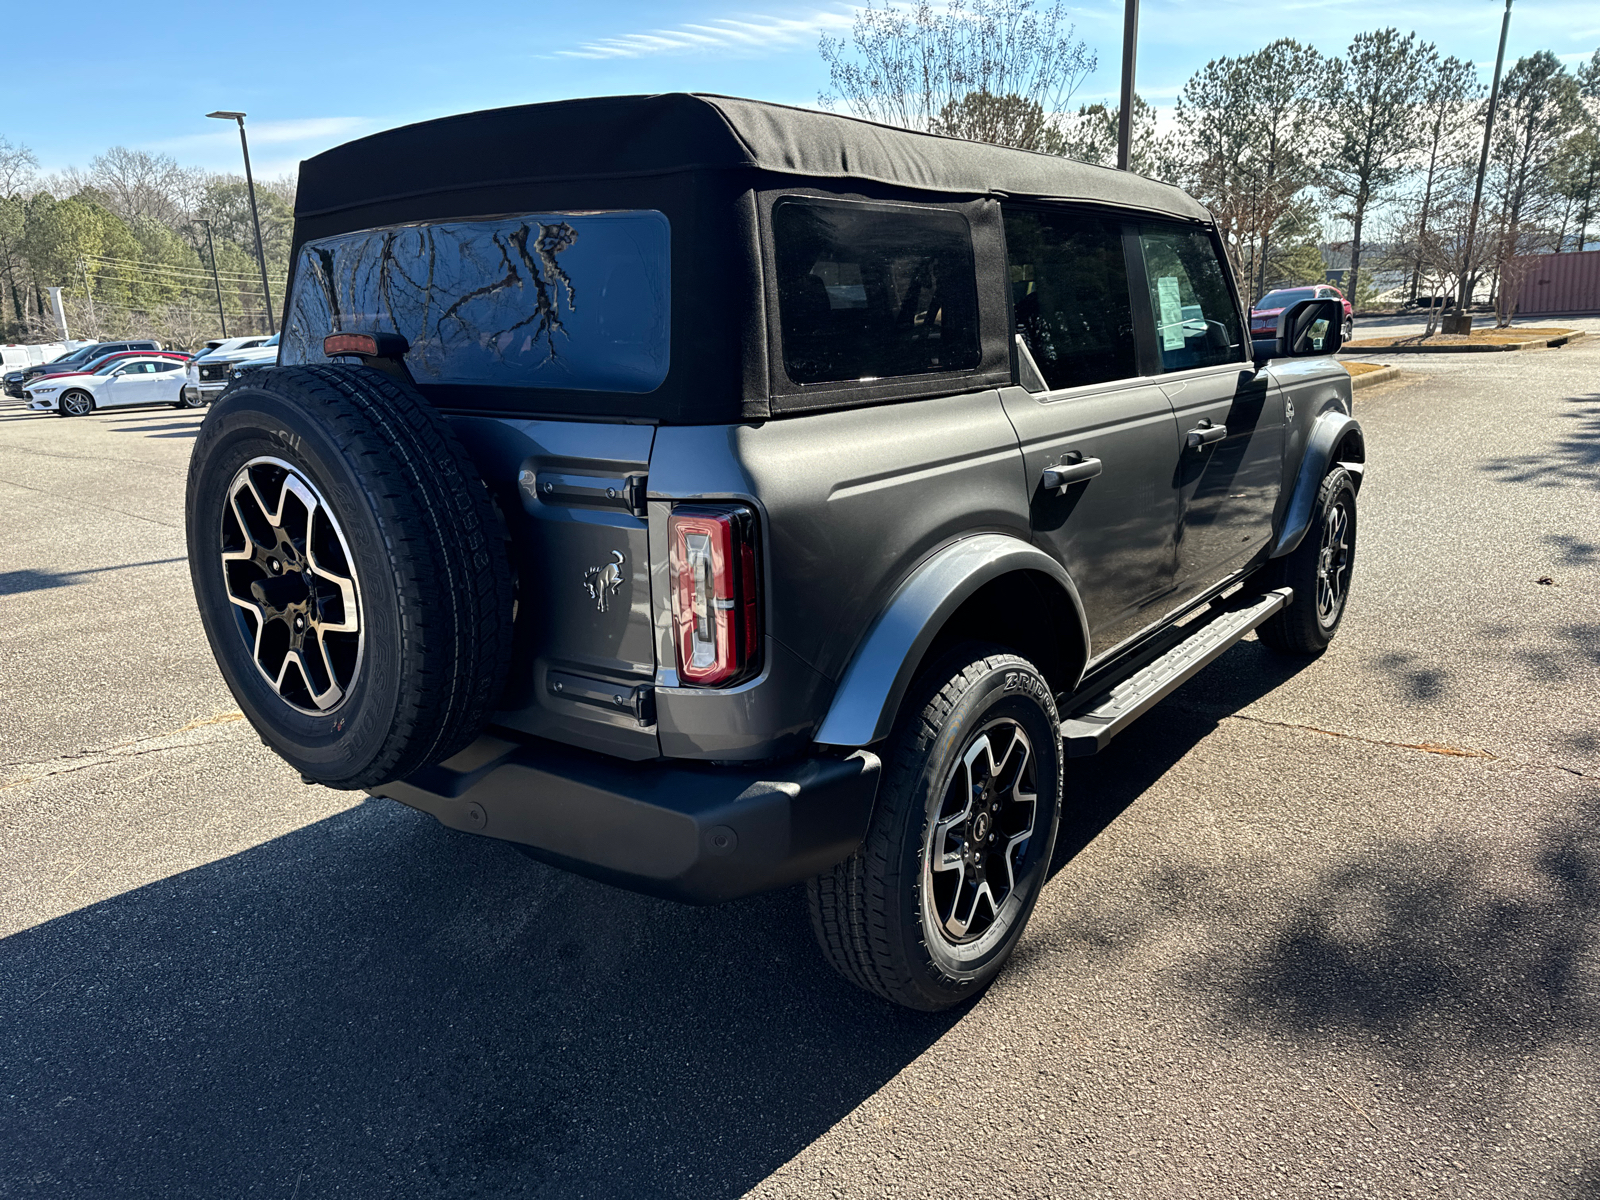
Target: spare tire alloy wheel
287, 568
75, 404
351, 572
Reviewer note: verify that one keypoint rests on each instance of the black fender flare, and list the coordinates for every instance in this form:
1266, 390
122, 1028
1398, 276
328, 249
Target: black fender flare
1329, 433
875, 682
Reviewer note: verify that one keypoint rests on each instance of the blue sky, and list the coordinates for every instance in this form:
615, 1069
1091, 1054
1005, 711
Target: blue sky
312, 75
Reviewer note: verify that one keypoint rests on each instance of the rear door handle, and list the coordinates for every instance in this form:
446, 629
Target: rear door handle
1064, 475
1204, 435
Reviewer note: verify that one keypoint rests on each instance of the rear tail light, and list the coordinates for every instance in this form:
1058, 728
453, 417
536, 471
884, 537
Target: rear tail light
716, 605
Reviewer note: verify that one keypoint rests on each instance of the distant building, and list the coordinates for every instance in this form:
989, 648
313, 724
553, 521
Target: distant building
1559, 283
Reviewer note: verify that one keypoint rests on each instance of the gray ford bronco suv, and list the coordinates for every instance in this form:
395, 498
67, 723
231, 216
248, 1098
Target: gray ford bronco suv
707, 496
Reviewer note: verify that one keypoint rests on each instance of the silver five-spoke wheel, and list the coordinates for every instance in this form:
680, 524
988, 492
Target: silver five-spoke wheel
289, 574
976, 845
77, 404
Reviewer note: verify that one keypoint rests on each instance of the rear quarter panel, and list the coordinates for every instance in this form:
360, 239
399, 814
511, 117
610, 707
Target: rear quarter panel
851, 503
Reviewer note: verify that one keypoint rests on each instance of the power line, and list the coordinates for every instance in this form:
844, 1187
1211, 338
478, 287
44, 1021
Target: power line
195, 272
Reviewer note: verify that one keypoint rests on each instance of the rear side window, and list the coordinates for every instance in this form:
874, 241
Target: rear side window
543, 300
1197, 324
1069, 296
870, 291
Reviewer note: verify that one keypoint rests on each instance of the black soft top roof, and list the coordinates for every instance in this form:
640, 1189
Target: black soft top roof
619, 137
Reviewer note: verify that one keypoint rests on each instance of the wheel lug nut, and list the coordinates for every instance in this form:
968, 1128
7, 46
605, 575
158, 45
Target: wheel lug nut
275, 565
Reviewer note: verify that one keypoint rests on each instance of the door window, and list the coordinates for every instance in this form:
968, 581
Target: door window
1197, 323
1069, 294
874, 291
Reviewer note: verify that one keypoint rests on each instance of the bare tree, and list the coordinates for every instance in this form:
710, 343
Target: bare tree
1449, 116
138, 185
18, 169
1373, 96
1539, 107
991, 70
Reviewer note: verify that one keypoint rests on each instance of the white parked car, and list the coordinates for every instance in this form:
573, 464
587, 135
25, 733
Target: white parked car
210, 372
117, 384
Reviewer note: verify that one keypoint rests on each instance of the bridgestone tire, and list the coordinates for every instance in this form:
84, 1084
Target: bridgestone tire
425, 549
868, 913
1301, 629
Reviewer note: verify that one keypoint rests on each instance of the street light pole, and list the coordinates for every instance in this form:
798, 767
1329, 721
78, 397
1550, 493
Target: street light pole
211, 246
1130, 43
1462, 324
255, 216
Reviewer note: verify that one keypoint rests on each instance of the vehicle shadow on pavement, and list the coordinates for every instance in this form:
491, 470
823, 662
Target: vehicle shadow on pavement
375, 1006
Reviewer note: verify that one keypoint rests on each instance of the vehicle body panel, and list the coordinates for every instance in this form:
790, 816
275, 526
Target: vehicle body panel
1228, 490
1114, 533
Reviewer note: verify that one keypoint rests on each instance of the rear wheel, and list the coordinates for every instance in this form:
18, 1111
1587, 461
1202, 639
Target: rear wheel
1319, 570
185, 401
1349, 330
75, 404
350, 570
931, 906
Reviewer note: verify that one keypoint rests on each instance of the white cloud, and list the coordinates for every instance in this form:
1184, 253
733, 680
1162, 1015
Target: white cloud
324, 130
749, 36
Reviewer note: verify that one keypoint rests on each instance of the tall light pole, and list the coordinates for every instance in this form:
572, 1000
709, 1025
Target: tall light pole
1130, 43
1462, 323
211, 246
255, 216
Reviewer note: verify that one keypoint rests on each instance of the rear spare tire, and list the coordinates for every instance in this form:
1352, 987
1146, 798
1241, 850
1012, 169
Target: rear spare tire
351, 571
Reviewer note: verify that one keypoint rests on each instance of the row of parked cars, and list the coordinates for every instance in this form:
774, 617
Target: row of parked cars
121, 374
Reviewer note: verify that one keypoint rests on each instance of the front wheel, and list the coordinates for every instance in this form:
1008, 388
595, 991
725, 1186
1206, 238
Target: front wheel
1349, 330
75, 404
930, 907
1319, 570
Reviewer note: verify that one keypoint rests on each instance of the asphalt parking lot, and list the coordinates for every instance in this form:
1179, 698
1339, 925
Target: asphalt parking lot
1315, 929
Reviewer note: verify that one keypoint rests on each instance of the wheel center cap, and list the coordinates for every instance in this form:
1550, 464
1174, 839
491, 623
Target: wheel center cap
980, 827
277, 594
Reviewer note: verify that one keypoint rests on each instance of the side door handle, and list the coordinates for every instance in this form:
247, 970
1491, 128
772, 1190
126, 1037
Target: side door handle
1204, 434
1064, 475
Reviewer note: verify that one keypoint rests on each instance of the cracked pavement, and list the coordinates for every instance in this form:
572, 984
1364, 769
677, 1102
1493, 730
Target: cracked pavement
1314, 929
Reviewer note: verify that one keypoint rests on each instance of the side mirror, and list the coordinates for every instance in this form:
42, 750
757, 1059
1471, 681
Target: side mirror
1309, 329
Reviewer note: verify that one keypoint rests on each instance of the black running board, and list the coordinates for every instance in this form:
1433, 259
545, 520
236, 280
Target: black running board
1088, 730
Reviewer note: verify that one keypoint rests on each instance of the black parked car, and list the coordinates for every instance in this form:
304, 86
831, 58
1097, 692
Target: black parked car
721, 495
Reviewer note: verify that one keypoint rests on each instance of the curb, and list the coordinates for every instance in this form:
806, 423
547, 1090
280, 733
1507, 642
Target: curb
1368, 378
1535, 344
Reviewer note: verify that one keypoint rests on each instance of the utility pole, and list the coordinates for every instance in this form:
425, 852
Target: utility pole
1130, 44
1461, 323
255, 215
58, 311
94, 321
211, 247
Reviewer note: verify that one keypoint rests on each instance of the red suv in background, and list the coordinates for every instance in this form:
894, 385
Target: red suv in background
1264, 316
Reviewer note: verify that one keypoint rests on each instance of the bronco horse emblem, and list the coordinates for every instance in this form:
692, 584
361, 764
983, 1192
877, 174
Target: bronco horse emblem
602, 582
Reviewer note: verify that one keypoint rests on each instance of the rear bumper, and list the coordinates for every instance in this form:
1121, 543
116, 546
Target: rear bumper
686, 831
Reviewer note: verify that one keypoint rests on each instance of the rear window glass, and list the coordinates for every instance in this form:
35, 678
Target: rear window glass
874, 291
542, 300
